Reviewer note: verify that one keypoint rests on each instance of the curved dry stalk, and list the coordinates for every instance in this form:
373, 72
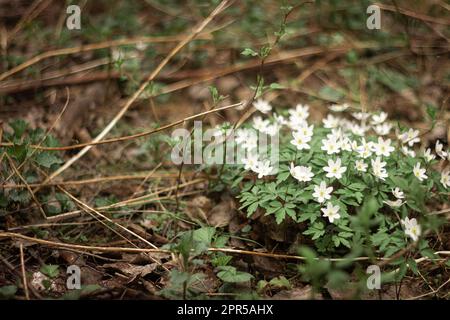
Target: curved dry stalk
91, 47
129, 137
133, 201
224, 250
77, 246
24, 275
138, 176
431, 292
413, 14
32, 12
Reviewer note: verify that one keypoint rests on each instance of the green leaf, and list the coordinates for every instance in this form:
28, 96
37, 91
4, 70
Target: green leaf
230, 274
413, 266
7, 292
280, 215
76, 294
330, 94
280, 282
204, 235
427, 252
221, 260
249, 52
357, 186
21, 196
18, 152
178, 278
337, 279
283, 176
19, 126
47, 159
275, 86
50, 270
252, 208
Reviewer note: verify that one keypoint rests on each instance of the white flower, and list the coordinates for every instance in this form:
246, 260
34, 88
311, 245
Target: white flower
360, 165
141, 46
428, 155
383, 129
334, 169
280, 119
260, 124
336, 134
383, 147
358, 130
378, 168
331, 212
398, 193
331, 122
271, 129
301, 112
301, 173
339, 107
408, 152
445, 179
354, 145
419, 172
345, 144
242, 135
250, 161
322, 192
410, 137
365, 149
362, 116
331, 146
394, 204
300, 140
262, 105
412, 228
247, 138
439, 151
306, 131
379, 118
263, 168
252, 142
295, 122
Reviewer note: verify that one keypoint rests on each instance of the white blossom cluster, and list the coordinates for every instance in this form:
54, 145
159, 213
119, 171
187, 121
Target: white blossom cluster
366, 137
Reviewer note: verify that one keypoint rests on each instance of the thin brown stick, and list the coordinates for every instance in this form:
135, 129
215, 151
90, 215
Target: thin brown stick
137, 176
32, 12
66, 81
24, 275
138, 200
129, 137
91, 47
431, 292
224, 250
413, 14
77, 246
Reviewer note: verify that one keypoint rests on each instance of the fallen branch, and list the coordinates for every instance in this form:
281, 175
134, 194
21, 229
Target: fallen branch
224, 250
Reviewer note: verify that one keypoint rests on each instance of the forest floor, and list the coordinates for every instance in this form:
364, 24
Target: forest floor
139, 69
